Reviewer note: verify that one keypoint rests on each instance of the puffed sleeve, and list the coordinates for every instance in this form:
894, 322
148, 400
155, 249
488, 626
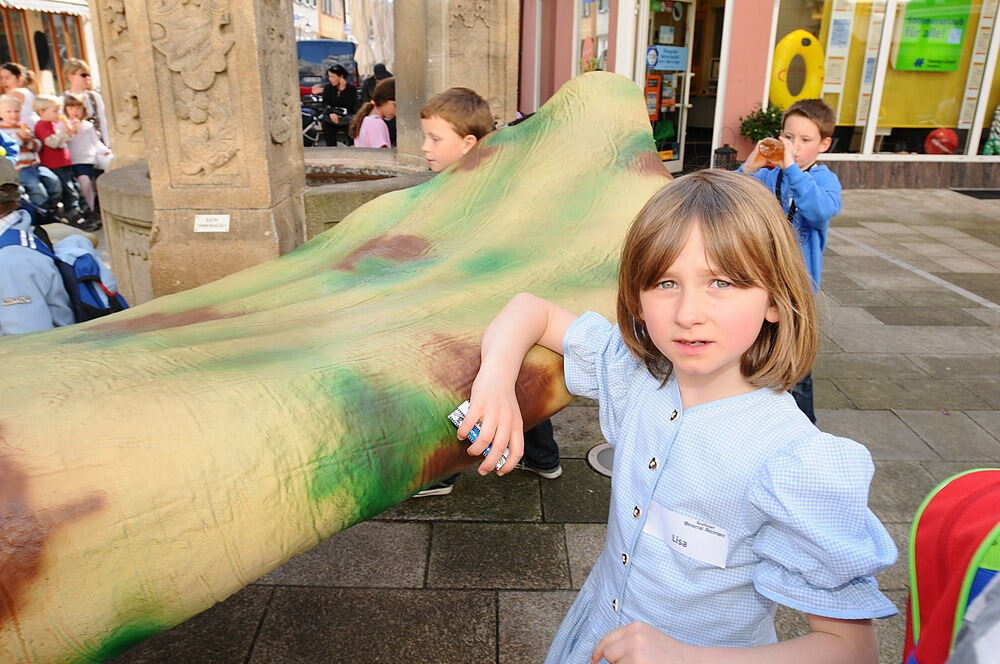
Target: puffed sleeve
819, 544
598, 365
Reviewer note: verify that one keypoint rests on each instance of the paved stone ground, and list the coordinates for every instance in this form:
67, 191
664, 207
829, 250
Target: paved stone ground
909, 365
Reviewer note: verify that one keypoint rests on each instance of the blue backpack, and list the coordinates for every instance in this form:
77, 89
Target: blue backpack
89, 297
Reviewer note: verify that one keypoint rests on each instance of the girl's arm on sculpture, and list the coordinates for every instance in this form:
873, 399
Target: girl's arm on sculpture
523, 322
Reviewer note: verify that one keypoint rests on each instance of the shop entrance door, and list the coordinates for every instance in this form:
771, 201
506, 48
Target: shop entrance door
665, 47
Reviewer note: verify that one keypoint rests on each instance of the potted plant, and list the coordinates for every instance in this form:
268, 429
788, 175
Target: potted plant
761, 123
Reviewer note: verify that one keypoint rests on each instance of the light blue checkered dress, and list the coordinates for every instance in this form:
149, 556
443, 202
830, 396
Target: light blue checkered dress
791, 499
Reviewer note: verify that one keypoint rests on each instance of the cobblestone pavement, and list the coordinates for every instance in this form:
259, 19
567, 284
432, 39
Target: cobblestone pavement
909, 365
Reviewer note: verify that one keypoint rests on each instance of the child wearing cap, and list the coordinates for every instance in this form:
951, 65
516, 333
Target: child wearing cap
32, 295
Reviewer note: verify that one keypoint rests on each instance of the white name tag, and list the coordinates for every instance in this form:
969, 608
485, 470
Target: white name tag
693, 538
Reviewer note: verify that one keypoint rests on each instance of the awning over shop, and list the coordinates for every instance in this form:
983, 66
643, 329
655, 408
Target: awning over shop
78, 7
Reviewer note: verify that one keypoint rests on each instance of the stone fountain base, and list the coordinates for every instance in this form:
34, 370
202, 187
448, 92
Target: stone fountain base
341, 180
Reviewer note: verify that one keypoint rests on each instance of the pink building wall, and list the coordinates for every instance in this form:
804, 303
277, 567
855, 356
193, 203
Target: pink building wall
555, 52
612, 34
528, 64
749, 52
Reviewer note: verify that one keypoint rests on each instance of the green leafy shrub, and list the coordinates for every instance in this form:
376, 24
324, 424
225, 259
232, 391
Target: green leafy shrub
761, 123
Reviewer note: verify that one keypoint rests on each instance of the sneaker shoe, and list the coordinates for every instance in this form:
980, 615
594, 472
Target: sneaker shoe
439, 489
547, 473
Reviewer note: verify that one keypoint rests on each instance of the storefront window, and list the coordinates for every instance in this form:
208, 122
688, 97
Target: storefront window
931, 82
592, 27
63, 36
73, 35
4, 46
934, 76
18, 38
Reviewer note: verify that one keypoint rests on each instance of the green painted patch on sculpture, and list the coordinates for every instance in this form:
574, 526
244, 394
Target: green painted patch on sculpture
258, 361
595, 275
382, 270
389, 430
121, 639
486, 263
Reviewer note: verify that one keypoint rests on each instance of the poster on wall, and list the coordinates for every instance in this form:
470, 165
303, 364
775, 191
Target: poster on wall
977, 64
666, 58
930, 35
838, 47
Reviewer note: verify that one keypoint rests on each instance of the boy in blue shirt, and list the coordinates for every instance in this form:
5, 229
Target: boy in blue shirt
808, 192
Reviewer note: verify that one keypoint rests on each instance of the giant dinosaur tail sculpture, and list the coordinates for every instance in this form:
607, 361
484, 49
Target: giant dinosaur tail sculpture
156, 461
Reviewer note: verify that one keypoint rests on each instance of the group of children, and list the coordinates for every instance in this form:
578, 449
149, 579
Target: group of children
704, 376
57, 153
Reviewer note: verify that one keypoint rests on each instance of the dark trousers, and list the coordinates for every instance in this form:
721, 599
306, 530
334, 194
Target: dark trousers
72, 205
540, 448
331, 131
803, 393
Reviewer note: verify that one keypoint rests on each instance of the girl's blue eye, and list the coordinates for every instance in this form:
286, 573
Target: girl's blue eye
719, 283
666, 284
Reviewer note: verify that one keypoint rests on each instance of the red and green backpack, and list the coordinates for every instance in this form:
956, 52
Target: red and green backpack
954, 553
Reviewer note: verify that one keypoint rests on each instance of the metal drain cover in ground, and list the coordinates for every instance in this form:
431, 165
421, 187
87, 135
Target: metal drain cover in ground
601, 458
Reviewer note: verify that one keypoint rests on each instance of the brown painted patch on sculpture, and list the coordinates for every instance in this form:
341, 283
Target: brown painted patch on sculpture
159, 321
537, 391
446, 460
397, 248
649, 163
476, 156
23, 534
456, 363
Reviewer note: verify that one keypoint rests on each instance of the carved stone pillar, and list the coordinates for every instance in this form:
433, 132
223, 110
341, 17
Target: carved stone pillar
215, 96
471, 43
119, 87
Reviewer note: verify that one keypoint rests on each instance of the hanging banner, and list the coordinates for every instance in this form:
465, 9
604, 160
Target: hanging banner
977, 65
838, 46
930, 35
871, 55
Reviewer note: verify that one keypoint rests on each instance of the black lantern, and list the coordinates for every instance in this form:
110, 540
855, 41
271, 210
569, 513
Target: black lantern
725, 158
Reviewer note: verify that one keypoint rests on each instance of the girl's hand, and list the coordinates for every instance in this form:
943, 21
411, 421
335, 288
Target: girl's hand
639, 643
494, 406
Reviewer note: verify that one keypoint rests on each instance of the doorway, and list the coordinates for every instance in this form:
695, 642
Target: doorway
679, 49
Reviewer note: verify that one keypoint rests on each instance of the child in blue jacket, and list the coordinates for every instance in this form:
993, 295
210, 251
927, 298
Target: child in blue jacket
808, 192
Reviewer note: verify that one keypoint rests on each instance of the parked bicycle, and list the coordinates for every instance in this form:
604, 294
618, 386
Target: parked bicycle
314, 114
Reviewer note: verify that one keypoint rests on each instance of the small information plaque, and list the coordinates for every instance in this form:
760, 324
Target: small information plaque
211, 223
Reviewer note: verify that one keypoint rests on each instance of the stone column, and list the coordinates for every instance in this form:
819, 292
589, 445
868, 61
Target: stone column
447, 43
210, 87
119, 89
